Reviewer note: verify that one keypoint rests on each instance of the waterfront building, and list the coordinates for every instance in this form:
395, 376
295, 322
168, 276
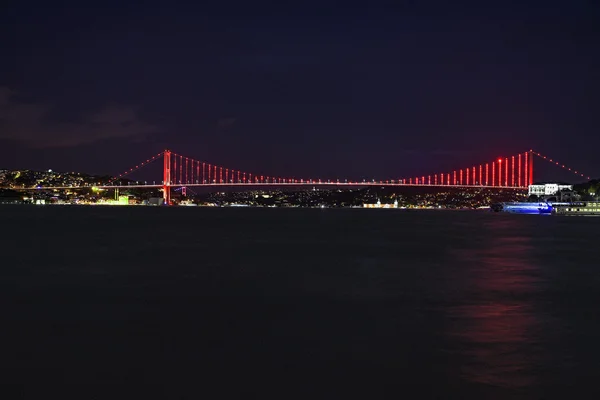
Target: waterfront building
548, 189
11, 200
379, 205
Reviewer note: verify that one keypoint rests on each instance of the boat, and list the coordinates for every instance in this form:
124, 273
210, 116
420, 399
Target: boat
523, 207
579, 208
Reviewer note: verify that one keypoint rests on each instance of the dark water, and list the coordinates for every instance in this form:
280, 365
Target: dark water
291, 303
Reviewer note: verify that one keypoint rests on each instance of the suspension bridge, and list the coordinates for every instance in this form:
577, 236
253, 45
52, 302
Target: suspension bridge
515, 172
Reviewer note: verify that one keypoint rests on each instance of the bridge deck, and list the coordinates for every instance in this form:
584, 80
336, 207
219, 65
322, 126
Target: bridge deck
231, 184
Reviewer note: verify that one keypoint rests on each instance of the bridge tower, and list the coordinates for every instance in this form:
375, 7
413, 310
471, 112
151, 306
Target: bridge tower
167, 177
531, 182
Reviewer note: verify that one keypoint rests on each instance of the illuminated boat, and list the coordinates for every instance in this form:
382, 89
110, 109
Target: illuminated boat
523, 207
578, 208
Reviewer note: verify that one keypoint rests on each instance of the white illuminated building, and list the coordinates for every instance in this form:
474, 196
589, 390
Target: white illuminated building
548, 189
379, 205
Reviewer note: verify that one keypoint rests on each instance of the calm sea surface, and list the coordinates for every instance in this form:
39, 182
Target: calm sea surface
298, 303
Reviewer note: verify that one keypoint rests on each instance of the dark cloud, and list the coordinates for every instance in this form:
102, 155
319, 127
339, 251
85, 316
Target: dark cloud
5, 94
225, 123
32, 124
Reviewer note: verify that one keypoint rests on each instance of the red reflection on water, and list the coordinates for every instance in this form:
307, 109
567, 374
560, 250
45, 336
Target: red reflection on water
495, 322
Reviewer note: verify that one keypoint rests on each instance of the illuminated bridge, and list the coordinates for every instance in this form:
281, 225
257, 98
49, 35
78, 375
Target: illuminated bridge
515, 172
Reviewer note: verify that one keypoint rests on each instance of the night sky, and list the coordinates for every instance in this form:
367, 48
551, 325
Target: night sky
299, 88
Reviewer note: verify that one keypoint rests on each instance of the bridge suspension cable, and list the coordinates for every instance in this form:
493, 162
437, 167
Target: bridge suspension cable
140, 165
563, 166
186, 171
515, 171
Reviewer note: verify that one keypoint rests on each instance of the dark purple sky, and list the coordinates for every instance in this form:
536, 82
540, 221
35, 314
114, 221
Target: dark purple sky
311, 89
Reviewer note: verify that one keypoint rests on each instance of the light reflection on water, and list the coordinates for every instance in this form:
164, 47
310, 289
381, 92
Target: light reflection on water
497, 322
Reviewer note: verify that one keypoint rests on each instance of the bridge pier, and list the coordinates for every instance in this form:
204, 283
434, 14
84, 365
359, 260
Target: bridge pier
167, 195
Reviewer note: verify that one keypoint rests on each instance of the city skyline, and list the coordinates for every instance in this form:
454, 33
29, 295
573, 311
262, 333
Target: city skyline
298, 91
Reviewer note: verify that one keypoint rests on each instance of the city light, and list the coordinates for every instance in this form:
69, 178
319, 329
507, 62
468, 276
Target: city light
179, 170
